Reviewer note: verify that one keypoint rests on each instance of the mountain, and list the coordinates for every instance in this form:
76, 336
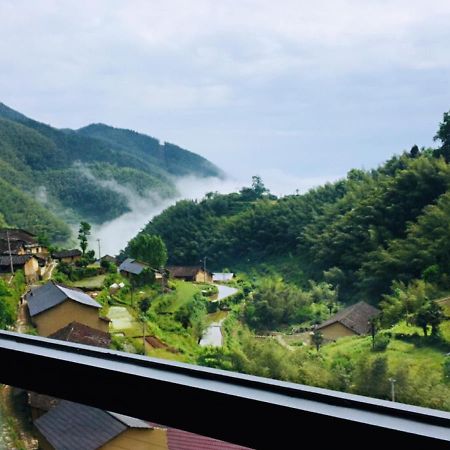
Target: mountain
52, 176
361, 233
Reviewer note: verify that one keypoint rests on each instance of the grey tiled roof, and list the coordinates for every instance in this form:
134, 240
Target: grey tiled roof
17, 260
51, 294
17, 234
184, 271
132, 266
72, 426
355, 317
130, 422
66, 254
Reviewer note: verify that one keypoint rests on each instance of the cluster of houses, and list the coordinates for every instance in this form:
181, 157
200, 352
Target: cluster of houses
65, 313
21, 250
131, 267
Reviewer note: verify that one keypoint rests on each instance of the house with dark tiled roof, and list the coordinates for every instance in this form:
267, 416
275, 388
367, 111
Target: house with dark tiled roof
190, 273
351, 321
20, 242
133, 268
72, 426
67, 256
54, 306
32, 265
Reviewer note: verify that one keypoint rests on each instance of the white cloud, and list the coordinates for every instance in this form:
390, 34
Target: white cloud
189, 71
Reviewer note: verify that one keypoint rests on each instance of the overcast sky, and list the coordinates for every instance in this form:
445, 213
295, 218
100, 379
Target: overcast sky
298, 91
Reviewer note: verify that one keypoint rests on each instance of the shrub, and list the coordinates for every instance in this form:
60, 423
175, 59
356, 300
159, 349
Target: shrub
446, 369
381, 342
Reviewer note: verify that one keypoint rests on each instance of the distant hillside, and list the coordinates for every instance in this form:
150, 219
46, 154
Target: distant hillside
361, 233
82, 174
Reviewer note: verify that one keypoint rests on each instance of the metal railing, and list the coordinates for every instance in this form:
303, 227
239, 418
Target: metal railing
252, 411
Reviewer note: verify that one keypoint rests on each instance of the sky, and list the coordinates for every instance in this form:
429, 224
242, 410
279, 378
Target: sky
297, 91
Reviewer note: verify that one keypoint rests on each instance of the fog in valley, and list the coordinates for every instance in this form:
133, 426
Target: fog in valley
114, 235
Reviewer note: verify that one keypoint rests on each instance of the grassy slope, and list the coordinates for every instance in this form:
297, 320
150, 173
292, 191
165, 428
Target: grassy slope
161, 321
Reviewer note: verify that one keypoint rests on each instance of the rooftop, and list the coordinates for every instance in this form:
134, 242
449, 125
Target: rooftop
17, 234
355, 317
133, 266
184, 271
66, 253
72, 426
82, 334
52, 294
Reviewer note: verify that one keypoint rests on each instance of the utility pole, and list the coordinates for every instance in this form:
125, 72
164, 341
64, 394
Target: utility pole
393, 381
143, 333
9, 251
204, 268
99, 254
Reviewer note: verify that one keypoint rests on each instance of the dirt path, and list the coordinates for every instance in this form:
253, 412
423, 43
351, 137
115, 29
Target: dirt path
15, 421
22, 323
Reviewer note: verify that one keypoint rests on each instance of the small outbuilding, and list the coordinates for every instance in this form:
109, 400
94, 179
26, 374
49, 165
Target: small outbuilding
67, 256
222, 277
190, 273
351, 321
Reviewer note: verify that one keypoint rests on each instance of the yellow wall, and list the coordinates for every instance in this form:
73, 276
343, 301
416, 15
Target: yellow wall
336, 331
136, 439
200, 277
69, 311
70, 259
31, 269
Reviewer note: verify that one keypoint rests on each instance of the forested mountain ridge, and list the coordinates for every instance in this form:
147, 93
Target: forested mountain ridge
80, 174
361, 233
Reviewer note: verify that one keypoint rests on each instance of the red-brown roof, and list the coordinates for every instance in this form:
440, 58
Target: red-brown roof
82, 334
183, 440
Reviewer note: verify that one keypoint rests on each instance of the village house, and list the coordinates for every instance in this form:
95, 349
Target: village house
59, 423
20, 242
132, 267
108, 258
33, 266
190, 273
67, 256
53, 306
351, 321
72, 426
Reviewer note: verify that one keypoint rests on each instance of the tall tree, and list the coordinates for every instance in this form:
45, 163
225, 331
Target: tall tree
149, 249
429, 314
83, 233
443, 135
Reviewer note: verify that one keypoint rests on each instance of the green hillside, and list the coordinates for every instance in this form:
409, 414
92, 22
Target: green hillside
83, 174
360, 233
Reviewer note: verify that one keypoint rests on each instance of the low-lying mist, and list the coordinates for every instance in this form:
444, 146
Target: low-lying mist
114, 235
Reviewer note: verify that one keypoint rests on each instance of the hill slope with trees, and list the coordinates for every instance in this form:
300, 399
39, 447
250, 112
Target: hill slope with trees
82, 174
361, 233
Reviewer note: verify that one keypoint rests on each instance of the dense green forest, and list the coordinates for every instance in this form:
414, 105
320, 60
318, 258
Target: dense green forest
50, 176
360, 233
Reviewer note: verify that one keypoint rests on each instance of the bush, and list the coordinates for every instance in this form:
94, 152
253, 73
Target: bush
381, 342
212, 307
446, 369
